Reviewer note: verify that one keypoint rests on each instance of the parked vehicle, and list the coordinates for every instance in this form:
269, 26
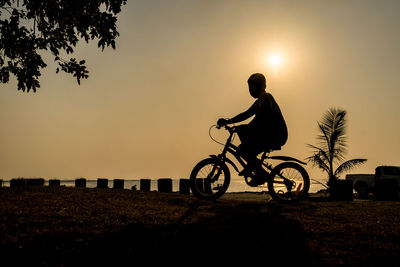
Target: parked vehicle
388, 172
364, 184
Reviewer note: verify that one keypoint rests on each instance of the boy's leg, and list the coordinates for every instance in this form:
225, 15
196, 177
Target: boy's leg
249, 148
250, 155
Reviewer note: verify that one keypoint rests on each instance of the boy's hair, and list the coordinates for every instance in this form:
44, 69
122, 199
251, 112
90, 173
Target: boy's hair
258, 80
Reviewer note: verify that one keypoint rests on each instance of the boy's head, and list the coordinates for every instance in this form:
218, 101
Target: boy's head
257, 84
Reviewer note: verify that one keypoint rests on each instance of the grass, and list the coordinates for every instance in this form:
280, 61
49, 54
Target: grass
81, 226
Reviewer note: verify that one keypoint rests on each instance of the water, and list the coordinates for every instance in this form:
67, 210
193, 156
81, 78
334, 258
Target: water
236, 185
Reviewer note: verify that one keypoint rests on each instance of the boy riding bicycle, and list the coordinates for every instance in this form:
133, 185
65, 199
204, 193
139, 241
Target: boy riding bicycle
266, 131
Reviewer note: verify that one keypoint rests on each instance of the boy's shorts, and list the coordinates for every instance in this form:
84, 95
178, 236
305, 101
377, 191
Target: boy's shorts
252, 143
254, 140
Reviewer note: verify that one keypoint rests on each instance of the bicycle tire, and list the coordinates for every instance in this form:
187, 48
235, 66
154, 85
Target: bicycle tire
290, 196
196, 175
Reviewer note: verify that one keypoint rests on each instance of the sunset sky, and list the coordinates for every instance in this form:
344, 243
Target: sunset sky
146, 108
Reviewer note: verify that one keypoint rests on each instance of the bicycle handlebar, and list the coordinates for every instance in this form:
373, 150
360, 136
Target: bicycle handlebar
228, 128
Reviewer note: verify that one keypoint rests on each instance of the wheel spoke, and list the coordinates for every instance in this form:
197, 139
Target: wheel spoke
209, 179
290, 183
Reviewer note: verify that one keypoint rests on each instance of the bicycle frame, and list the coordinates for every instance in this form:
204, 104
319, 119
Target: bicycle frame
232, 149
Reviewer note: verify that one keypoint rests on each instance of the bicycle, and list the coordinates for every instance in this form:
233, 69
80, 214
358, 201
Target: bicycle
288, 181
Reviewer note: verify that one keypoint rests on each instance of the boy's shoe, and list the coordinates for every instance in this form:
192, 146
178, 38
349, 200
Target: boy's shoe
254, 181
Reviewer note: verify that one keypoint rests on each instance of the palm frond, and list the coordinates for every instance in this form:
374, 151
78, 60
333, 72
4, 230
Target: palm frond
333, 128
324, 138
328, 119
339, 154
338, 126
321, 152
317, 161
334, 118
324, 130
348, 165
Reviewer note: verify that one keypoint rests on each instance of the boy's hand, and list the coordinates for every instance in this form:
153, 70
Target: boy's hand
222, 122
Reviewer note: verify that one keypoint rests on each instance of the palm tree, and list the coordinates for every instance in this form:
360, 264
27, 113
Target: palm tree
332, 146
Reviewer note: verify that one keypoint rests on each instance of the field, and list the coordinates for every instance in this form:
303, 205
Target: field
80, 226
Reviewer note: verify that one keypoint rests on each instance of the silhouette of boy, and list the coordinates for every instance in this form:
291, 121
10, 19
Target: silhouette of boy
266, 131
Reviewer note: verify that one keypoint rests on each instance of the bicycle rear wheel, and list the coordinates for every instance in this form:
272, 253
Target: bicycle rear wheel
289, 182
209, 179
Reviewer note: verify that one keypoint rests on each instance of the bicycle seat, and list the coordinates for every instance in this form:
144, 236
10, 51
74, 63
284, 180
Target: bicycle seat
269, 149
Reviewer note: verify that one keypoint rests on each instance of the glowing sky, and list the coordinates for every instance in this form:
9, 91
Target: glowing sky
180, 65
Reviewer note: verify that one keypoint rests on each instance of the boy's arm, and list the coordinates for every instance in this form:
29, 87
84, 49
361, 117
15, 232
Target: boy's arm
243, 116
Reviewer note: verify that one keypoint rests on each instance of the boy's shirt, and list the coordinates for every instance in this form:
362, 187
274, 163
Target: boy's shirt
268, 121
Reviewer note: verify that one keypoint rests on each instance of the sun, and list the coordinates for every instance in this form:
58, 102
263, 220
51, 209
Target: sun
275, 60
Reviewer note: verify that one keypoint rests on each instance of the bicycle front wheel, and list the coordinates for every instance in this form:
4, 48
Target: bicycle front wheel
289, 182
209, 179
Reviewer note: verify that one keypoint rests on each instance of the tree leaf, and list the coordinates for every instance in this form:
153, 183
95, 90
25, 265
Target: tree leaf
349, 165
59, 25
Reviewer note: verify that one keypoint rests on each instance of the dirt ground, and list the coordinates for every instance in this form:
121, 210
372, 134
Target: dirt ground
80, 226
